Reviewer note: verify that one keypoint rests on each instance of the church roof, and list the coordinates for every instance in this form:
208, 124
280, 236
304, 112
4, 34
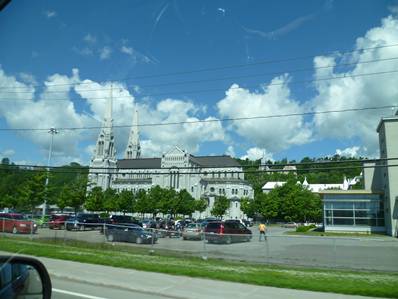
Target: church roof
215, 161
203, 161
141, 163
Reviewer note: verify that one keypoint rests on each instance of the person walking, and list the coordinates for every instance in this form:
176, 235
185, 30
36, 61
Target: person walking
262, 229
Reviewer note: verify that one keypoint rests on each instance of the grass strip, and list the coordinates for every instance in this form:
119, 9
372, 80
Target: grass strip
336, 234
377, 284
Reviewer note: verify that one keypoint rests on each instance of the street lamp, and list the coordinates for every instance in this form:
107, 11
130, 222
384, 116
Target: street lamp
52, 131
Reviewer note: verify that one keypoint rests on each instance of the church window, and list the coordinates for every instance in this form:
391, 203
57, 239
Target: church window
236, 204
192, 189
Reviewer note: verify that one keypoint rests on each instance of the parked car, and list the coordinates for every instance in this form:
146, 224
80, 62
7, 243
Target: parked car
57, 221
16, 223
227, 232
290, 225
193, 231
148, 223
129, 233
116, 220
82, 221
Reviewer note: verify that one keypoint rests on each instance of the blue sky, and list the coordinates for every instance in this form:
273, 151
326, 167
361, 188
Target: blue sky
132, 43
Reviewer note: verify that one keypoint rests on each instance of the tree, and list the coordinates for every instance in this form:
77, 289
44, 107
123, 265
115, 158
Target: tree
200, 205
78, 193
111, 198
296, 203
95, 200
63, 198
267, 205
33, 192
248, 206
141, 204
221, 204
126, 201
167, 201
185, 203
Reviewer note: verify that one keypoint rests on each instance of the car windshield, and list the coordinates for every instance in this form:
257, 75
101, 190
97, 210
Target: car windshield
235, 141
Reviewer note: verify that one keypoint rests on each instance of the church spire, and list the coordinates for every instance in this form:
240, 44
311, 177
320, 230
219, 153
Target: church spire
133, 149
105, 147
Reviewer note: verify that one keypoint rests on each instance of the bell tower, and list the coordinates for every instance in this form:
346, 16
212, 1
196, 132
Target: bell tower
103, 162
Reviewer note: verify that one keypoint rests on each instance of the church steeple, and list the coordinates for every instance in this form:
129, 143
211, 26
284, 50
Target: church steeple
103, 161
105, 148
133, 149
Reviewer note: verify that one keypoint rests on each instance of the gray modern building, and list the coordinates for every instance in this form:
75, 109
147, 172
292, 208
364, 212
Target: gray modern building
375, 208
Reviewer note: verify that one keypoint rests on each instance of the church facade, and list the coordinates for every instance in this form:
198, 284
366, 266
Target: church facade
202, 176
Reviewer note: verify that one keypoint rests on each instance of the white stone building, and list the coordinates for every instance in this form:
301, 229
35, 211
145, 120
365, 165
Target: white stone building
202, 176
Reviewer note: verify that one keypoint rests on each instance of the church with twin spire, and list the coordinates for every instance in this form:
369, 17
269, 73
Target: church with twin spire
202, 176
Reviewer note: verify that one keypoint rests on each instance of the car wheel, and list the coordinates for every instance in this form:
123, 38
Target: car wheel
110, 238
184, 238
14, 230
138, 240
228, 240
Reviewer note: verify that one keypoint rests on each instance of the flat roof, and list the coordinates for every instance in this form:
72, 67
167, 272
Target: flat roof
385, 119
360, 191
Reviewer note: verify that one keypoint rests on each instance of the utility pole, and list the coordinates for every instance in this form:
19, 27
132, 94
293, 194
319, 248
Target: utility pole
52, 131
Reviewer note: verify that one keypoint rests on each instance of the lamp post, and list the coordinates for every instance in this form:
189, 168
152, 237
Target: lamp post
52, 131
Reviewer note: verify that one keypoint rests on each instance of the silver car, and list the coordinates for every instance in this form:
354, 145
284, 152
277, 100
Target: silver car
193, 231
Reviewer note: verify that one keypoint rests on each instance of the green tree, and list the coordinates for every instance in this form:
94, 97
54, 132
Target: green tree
249, 207
78, 193
185, 203
63, 198
267, 205
167, 201
111, 199
221, 204
200, 205
126, 201
95, 200
296, 203
33, 192
141, 204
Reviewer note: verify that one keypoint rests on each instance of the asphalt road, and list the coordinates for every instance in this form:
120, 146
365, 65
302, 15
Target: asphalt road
342, 252
68, 289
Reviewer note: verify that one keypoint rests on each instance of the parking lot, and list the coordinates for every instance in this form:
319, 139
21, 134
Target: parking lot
342, 252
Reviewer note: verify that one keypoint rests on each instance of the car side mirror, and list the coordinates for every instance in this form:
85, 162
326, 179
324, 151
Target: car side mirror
23, 277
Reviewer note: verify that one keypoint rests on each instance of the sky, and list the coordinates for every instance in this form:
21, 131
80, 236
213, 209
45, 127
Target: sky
184, 61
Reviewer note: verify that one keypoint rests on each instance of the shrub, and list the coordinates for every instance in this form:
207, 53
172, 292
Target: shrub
303, 228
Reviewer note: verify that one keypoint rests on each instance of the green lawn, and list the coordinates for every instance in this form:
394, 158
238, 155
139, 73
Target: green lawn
378, 284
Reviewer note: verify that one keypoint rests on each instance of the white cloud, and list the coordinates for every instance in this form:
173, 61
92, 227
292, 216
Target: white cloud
127, 50
7, 153
230, 151
50, 14
188, 136
274, 134
90, 39
349, 151
85, 51
256, 153
105, 52
365, 91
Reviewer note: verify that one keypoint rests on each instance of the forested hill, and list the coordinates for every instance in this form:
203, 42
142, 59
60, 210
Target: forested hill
327, 170
13, 178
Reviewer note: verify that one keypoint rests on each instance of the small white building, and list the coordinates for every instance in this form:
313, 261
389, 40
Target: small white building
316, 188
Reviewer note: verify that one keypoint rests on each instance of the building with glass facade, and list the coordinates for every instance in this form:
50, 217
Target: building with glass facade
353, 211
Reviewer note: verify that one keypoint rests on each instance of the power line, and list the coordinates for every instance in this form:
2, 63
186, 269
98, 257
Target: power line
310, 113
219, 89
232, 66
212, 79
324, 162
202, 172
